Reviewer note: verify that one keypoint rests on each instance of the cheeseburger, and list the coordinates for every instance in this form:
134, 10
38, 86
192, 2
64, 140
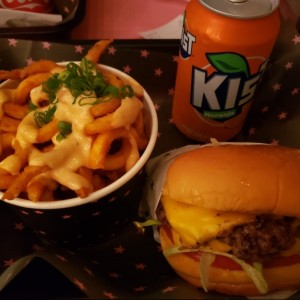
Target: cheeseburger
229, 218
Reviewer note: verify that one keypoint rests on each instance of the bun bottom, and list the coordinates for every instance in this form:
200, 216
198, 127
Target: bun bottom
230, 282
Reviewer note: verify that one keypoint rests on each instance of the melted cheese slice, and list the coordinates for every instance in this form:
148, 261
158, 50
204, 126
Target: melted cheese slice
196, 225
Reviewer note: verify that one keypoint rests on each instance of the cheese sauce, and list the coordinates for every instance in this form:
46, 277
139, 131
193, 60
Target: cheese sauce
68, 154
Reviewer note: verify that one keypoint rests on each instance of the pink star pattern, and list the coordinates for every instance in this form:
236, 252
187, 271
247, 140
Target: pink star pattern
158, 72
79, 284
66, 217
119, 249
140, 266
12, 42
127, 69
112, 50
171, 92
282, 115
61, 258
109, 295
276, 87
168, 289
46, 45
78, 49
19, 226
296, 39
145, 53
252, 131
265, 109
139, 289
295, 91
29, 61
114, 275
289, 65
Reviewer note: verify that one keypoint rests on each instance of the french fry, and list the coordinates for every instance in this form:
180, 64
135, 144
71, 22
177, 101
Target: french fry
20, 183
102, 145
46, 132
105, 107
88, 174
14, 110
97, 50
25, 86
99, 125
6, 180
35, 67
39, 186
6, 140
8, 124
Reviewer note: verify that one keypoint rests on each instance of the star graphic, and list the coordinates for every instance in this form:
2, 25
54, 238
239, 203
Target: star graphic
171, 92
282, 115
97, 213
296, 39
175, 58
288, 65
168, 289
12, 42
29, 61
114, 275
79, 284
158, 72
24, 212
39, 212
274, 142
120, 249
19, 226
295, 91
8, 263
127, 69
170, 121
66, 217
145, 53
46, 45
109, 295
139, 289
78, 49
252, 131
140, 266
156, 106
276, 87
89, 271
37, 247
265, 109
112, 50
62, 258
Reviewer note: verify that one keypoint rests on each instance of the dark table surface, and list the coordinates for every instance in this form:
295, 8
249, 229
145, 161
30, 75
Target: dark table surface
131, 265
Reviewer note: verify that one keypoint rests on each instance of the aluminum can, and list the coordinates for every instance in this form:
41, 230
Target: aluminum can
224, 51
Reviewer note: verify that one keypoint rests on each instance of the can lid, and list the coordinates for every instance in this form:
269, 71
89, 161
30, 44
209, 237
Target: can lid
242, 9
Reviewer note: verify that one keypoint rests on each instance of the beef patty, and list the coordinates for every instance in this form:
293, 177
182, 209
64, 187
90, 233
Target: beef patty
262, 239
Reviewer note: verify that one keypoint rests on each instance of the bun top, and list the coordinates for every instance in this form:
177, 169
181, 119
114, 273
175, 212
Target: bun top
255, 178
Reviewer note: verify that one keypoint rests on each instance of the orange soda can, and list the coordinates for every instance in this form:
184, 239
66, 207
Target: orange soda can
224, 50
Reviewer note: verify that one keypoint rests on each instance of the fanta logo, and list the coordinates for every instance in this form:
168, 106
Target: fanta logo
221, 94
187, 41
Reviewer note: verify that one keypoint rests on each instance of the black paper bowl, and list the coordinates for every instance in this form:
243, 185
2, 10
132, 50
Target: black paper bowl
78, 222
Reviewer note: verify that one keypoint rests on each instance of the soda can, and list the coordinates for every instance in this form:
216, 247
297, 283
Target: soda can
224, 51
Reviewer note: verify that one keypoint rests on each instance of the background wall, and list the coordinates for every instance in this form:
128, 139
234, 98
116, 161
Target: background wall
127, 19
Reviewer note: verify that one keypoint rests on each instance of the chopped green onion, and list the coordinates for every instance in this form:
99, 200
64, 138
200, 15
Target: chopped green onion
65, 128
44, 117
